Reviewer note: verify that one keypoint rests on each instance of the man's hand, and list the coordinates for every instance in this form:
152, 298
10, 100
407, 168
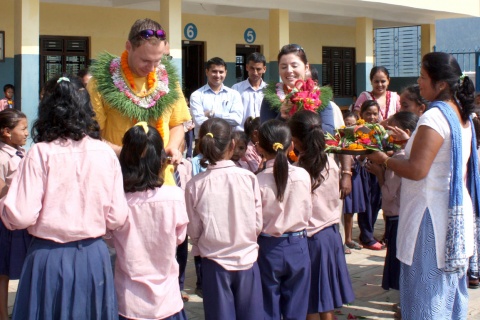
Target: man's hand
175, 154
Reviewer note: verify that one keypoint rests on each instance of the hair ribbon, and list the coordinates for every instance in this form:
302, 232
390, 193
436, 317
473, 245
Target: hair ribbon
277, 145
142, 124
63, 79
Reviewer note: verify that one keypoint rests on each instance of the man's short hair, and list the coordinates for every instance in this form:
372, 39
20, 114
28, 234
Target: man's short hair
257, 57
216, 61
140, 25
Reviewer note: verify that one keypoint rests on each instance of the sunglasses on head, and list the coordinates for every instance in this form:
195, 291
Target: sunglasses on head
149, 33
292, 46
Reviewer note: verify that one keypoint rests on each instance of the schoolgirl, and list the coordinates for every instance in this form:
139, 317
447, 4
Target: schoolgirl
330, 281
287, 208
68, 192
13, 244
146, 273
252, 156
372, 192
225, 212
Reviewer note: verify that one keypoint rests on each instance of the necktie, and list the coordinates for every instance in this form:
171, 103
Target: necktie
177, 178
19, 153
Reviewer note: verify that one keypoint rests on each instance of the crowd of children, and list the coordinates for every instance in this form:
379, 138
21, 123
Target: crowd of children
264, 231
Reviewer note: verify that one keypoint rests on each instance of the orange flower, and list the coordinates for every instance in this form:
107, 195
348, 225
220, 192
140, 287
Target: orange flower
151, 78
293, 156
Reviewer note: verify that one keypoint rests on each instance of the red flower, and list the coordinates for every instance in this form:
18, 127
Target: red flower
309, 85
299, 84
331, 142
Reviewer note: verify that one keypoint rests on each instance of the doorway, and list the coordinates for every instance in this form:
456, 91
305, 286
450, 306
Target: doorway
242, 52
193, 66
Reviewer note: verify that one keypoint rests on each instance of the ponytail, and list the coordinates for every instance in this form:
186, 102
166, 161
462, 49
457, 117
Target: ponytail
280, 173
306, 126
215, 138
275, 138
466, 96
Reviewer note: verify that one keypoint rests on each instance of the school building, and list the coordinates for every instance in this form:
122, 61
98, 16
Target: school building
342, 38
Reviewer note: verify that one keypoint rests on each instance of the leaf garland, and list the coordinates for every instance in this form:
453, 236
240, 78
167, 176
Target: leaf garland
116, 99
270, 94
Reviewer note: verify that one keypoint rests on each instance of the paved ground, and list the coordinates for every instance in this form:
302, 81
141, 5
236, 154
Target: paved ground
366, 268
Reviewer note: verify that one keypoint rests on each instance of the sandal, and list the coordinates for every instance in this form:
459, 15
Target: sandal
353, 245
376, 246
346, 250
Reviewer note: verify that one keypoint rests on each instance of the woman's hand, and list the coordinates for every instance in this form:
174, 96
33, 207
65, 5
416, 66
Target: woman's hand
398, 134
377, 157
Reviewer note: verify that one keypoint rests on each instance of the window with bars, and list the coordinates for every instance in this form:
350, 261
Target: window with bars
398, 50
62, 54
338, 70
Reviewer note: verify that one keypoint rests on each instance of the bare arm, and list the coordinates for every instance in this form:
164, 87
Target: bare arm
425, 148
177, 135
346, 178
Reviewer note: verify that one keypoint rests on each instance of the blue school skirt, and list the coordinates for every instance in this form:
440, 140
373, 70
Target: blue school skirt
13, 249
355, 201
330, 285
66, 281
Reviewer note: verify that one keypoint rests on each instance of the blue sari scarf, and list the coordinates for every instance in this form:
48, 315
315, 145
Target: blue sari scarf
456, 260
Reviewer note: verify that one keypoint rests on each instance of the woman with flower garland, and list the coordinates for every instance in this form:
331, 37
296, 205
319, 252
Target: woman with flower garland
439, 195
287, 207
388, 101
330, 285
293, 66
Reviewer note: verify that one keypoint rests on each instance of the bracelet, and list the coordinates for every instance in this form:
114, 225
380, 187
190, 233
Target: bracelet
385, 162
347, 172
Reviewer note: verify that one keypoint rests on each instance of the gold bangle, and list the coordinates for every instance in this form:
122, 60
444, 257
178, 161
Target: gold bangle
385, 162
347, 172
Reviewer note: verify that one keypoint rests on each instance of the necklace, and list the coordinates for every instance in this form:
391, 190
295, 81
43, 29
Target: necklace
387, 105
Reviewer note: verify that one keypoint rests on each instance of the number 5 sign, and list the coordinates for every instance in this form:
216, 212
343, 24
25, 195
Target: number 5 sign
190, 31
249, 35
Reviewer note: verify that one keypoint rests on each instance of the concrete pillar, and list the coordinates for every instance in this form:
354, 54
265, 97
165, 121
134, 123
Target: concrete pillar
364, 53
171, 21
26, 56
279, 35
428, 38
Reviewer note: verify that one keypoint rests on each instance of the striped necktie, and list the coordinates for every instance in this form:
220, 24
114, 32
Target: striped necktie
176, 175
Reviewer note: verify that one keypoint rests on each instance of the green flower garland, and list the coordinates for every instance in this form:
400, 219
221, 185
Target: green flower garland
270, 94
100, 70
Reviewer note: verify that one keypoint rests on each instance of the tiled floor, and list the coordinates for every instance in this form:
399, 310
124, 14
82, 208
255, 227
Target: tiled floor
366, 268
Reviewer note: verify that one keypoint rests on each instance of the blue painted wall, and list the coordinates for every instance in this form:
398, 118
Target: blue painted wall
7, 73
458, 34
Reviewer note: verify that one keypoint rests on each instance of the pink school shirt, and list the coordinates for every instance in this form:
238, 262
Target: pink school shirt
225, 212
9, 161
66, 191
326, 201
294, 212
391, 189
146, 271
252, 157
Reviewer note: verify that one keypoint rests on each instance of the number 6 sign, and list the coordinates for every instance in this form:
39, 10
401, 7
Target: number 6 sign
249, 35
190, 31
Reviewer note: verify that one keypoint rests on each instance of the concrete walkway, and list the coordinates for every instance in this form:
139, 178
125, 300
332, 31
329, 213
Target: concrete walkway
366, 269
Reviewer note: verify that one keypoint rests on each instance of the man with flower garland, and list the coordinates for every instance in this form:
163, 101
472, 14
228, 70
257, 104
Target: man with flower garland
140, 86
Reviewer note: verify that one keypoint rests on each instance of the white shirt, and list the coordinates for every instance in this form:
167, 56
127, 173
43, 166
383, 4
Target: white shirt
226, 104
251, 99
432, 192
